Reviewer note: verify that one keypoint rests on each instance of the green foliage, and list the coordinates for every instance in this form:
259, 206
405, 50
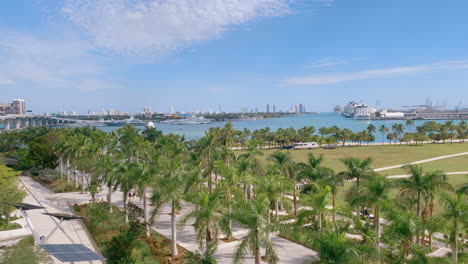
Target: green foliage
24, 252
10, 190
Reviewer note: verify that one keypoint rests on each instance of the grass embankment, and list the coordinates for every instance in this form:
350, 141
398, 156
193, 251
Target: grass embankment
57, 184
24, 252
126, 243
6, 225
382, 156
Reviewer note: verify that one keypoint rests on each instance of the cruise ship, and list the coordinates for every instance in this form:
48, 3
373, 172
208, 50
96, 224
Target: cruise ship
131, 121
189, 121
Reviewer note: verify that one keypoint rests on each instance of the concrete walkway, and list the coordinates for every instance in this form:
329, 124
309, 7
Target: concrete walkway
43, 224
288, 252
421, 161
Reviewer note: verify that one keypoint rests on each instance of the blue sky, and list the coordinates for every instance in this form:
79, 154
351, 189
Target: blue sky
197, 55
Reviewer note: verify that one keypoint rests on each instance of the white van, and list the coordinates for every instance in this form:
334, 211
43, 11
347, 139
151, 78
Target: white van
306, 145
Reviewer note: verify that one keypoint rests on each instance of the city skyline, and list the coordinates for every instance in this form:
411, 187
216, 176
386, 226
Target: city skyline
62, 55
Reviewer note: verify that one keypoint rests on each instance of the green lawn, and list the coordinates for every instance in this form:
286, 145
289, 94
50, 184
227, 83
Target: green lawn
455, 180
382, 155
453, 164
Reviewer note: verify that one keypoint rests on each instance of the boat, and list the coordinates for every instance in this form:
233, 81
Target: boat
129, 121
189, 121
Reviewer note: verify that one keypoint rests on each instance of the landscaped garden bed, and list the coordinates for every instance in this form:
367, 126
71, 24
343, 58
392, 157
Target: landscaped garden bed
122, 242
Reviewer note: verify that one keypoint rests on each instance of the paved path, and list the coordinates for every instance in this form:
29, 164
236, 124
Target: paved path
421, 161
288, 252
43, 224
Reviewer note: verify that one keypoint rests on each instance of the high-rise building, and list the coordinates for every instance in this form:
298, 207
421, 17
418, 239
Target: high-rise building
18, 107
274, 108
147, 111
268, 108
244, 110
293, 109
5, 109
301, 108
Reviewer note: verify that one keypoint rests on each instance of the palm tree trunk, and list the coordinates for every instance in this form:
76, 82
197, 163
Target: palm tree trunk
418, 212
75, 182
145, 213
277, 209
295, 199
257, 255
208, 239
431, 210
377, 231
320, 222
333, 208
455, 251
358, 207
109, 197
125, 206
61, 166
268, 234
68, 169
82, 182
174, 252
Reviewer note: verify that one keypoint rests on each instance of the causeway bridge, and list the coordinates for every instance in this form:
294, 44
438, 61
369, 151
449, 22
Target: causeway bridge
18, 122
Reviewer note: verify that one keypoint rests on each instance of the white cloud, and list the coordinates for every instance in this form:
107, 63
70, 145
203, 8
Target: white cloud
322, 63
151, 28
54, 63
376, 73
6, 82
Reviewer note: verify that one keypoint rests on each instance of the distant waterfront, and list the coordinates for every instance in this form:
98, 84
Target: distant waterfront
316, 120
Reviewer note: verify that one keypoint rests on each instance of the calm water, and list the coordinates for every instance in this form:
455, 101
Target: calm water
316, 120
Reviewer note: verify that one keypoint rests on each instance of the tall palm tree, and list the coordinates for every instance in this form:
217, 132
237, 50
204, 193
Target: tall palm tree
383, 130
333, 247
371, 129
456, 211
252, 215
171, 187
207, 213
375, 193
357, 169
334, 180
318, 199
398, 129
409, 124
284, 162
422, 186
125, 174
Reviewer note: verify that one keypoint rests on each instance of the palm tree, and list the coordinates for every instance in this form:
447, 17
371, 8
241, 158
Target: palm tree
357, 169
171, 187
383, 130
333, 247
285, 164
409, 124
456, 211
207, 213
125, 175
252, 215
398, 129
371, 129
318, 200
423, 185
333, 180
375, 194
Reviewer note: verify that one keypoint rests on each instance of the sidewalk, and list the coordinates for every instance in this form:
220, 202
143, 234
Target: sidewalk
43, 224
288, 252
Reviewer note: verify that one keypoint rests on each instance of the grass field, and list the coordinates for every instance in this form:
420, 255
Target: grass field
382, 155
455, 180
453, 164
